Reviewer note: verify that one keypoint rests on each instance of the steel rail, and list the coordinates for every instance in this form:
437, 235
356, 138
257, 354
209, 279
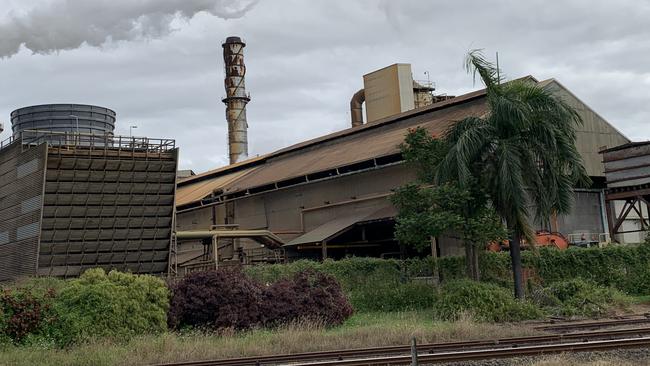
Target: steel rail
422, 348
592, 325
536, 350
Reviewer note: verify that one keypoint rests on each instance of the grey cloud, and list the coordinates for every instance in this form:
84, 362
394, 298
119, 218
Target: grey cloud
68, 24
306, 58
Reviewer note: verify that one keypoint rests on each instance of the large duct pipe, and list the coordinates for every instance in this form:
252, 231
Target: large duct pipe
236, 99
356, 111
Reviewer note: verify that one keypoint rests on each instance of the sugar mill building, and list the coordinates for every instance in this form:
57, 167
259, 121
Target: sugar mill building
74, 196
328, 197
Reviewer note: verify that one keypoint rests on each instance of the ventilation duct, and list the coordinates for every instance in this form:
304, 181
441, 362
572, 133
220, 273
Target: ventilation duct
356, 110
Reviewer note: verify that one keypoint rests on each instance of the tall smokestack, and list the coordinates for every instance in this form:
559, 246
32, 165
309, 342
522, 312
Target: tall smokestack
236, 99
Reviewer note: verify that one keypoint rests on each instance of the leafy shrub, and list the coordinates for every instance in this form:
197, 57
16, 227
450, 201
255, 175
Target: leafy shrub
24, 312
585, 298
393, 296
270, 273
116, 305
485, 302
371, 284
228, 298
223, 298
639, 283
309, 295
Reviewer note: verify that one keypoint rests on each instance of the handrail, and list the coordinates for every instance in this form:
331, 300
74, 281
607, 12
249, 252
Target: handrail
6, 142
99, 141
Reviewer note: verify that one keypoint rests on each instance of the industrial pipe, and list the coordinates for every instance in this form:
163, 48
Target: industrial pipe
356, 112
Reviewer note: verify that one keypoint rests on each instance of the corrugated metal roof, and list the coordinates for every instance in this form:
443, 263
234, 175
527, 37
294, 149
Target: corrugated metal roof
335, 135
334, 227
194, 192
349, 146
223, 170
351, 149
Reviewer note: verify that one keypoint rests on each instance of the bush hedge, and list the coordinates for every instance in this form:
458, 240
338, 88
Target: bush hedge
116, 305
483, 301
371, 284
24, 313
310, 296
387, 284
572, 282
224, 298
57, 312
229, 298
578, 297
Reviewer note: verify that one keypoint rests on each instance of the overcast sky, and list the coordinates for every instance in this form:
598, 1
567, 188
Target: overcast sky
158, 63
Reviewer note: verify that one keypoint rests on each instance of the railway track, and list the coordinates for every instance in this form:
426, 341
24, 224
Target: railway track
472, 355
451, 351
568, 327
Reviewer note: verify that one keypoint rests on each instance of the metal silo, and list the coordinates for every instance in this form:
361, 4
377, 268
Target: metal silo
64, 118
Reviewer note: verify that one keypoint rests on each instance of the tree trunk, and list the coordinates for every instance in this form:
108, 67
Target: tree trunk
436, 263
477, 271
471, 261
469, 264
515, 256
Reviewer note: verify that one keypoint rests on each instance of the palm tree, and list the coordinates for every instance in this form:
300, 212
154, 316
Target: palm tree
522, 152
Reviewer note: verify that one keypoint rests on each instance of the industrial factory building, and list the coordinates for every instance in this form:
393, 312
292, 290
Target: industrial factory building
74, 196
329, 197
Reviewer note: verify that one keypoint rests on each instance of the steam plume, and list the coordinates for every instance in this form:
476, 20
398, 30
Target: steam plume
67, 24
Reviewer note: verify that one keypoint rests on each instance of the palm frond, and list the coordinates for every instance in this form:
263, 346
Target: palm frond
475, 63
466, 140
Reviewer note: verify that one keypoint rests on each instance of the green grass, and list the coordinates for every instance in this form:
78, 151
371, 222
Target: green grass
645, 299
361, 330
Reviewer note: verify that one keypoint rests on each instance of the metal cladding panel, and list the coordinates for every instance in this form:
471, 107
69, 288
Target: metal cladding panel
113, 212
21, 188
586, 214
388, 91
627, 165
594, 132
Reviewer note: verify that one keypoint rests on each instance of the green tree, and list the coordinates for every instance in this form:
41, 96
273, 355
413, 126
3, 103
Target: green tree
429, 210
522, 152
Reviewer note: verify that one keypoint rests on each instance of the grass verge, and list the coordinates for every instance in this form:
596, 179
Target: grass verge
361, 330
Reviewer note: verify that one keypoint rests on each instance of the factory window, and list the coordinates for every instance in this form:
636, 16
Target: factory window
357, 166
30, 204
27, 231
389, 159
27, 168
4, 237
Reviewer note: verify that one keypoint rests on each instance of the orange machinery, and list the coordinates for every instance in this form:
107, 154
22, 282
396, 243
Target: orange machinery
542, 239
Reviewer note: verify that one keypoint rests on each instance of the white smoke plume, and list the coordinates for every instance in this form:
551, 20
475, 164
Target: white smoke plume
68, 24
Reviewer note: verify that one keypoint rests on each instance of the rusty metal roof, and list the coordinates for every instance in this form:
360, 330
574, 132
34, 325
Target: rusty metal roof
371, 140
350, 149
194, 192
334, 227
